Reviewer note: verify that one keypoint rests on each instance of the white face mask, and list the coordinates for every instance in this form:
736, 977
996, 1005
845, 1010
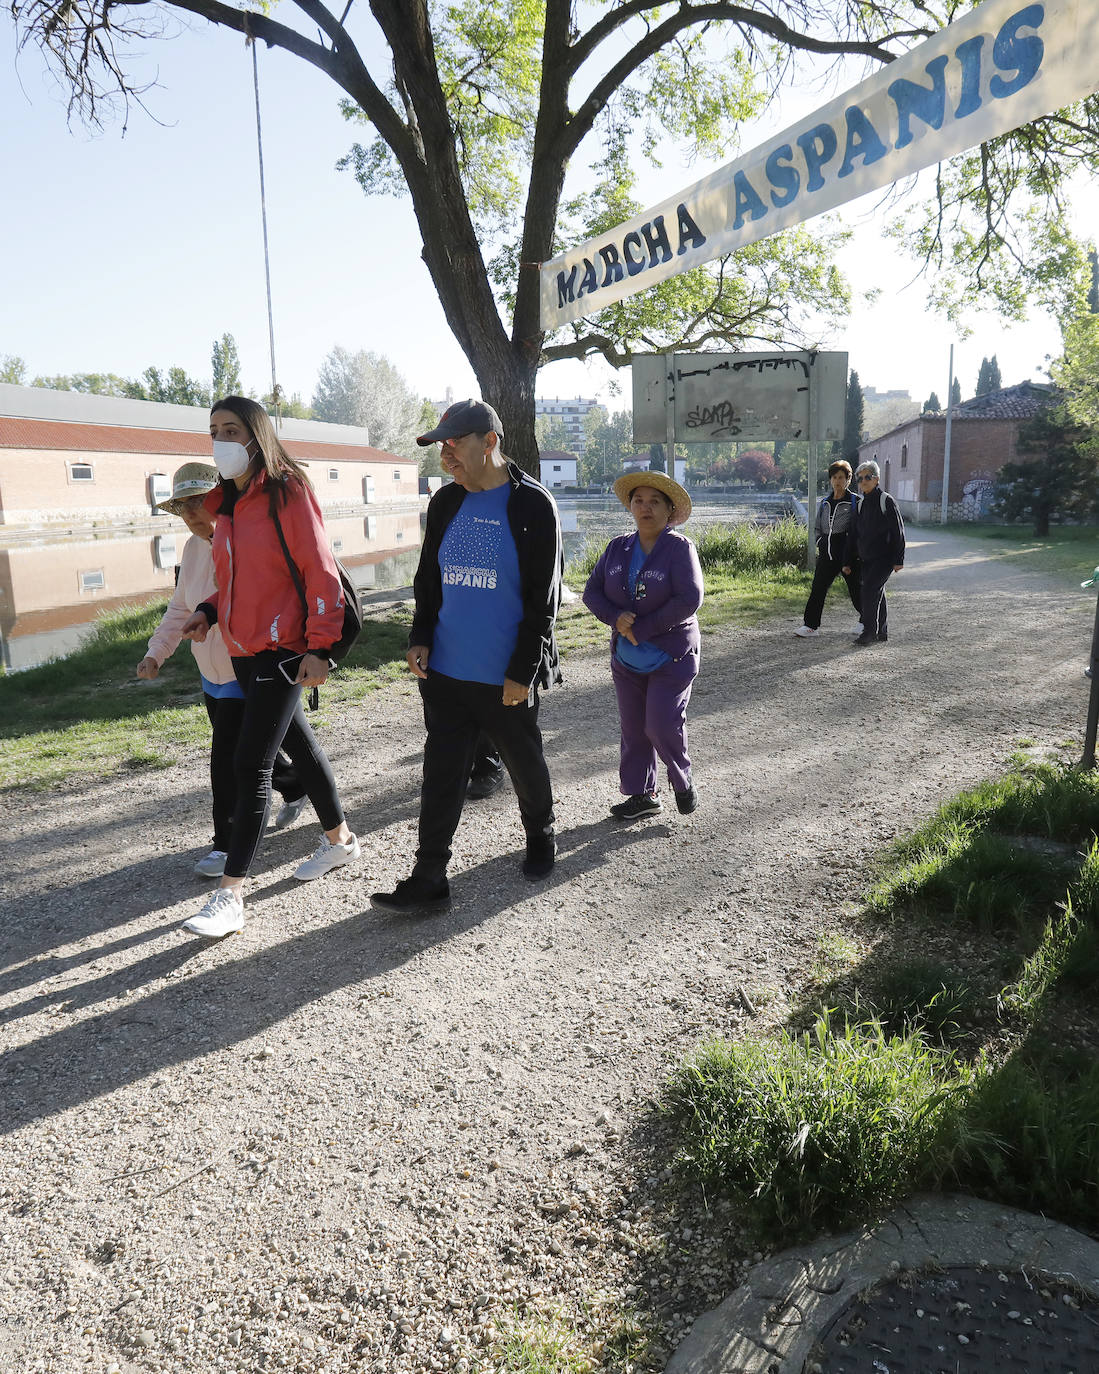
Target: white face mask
231, 458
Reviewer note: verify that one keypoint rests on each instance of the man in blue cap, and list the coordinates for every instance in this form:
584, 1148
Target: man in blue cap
488, 588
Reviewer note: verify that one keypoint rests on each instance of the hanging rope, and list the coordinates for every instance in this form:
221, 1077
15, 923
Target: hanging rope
276, 393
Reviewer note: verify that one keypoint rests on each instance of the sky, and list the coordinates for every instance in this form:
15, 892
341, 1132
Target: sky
141, 244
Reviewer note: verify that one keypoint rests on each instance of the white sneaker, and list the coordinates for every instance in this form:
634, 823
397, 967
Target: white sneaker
805, 632
212, 865
326, 857
859, 628
222, 915
289, 812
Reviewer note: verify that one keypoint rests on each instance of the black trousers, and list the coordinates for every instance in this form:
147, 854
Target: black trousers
273, 717
226, 715
876, 572
455, 713
825, 573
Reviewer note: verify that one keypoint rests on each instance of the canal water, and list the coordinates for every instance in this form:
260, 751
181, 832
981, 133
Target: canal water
53, 586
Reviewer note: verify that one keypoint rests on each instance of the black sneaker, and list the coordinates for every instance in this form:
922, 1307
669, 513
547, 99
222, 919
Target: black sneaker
640, 804
687, 800
864, 640
483, 785
412, 894
541, 853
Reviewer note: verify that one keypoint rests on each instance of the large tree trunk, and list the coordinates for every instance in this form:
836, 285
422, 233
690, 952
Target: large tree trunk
510, 390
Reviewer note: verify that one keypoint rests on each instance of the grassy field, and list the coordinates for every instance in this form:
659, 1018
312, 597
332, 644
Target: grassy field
88, 713
1069, 553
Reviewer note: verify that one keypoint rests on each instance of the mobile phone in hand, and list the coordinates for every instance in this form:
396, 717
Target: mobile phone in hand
288, 667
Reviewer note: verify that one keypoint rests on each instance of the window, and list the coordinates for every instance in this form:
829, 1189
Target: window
92, 581
371, 526
396, 474
337, 545
400, 536
904, 455
81, 472
333, 474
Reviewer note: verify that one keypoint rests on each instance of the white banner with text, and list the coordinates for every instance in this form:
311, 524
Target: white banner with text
996, 68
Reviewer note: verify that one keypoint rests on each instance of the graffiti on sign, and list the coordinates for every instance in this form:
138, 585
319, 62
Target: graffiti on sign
715, 397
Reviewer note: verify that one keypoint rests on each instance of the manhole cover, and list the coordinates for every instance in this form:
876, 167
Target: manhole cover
962, 1321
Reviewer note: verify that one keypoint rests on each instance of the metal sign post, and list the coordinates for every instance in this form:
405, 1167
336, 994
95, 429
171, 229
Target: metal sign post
1088, 760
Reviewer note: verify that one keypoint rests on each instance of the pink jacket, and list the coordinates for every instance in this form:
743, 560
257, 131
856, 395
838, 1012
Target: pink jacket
256, 601
196, 583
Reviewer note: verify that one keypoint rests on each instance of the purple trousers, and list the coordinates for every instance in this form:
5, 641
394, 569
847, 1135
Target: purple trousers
652, 711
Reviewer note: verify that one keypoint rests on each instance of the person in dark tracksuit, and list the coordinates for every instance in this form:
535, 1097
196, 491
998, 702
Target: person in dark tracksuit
834, 516
487, 589
877, 538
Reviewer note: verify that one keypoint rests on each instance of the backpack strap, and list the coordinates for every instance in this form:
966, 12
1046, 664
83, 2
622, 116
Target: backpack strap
314, 696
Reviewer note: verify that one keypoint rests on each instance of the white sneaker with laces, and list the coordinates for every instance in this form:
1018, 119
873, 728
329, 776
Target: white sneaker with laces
806, 632
289, 812
222, 915
859, 628
327, 856
212, 865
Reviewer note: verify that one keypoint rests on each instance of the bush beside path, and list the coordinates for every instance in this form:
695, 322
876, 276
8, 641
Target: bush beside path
341, 1140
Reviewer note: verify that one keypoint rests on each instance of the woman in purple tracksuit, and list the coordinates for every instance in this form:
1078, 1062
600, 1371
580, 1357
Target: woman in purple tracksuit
647, 586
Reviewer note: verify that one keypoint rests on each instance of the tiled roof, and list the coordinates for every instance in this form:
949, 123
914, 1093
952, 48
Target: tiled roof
60, 434
1018, 402
555, 455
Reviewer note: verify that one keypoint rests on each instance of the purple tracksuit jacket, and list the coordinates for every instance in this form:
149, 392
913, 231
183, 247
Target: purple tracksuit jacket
672, 579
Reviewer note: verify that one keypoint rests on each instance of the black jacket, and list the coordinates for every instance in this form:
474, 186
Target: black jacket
877, 531
536, 528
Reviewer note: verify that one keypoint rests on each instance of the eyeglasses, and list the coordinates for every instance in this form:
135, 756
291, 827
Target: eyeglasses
865, 477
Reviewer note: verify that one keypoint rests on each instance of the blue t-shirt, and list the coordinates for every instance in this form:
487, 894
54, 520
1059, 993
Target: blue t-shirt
643, 657
232, 688
479, 619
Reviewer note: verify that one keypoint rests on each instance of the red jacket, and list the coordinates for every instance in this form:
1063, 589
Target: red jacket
257, 604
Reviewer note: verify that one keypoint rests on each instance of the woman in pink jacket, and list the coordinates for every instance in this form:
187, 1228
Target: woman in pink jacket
277, 641
222, 693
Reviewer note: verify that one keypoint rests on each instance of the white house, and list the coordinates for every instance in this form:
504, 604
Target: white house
557, 469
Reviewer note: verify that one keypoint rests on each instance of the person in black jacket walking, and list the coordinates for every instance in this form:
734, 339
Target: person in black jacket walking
876, 537
834, 516
487, 588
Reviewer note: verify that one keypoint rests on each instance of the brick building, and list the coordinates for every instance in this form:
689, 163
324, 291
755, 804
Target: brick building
68, 459
983, 437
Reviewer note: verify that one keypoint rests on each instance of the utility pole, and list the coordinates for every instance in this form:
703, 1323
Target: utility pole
946, 440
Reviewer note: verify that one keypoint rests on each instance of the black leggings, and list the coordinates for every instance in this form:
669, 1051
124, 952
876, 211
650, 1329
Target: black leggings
226, 716
272, 718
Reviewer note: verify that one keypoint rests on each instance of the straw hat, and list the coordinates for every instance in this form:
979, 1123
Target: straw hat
628, 483
192, 479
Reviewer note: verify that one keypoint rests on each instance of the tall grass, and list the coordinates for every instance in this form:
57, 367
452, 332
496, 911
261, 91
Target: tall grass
737, 549
812, 1130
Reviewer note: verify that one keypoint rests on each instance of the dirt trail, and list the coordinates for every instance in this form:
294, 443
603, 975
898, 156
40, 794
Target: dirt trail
340, 1140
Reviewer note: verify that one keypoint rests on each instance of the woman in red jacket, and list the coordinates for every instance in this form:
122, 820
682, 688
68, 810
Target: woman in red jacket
277, 644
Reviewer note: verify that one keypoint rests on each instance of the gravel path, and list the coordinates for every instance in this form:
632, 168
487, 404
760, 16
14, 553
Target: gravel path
341, 1140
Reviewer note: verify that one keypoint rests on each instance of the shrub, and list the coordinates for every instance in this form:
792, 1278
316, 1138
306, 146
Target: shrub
814, 1130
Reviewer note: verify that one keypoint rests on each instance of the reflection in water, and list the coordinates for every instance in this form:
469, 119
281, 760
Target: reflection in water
51, 590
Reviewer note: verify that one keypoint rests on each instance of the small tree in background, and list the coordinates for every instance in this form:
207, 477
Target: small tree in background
932, 405
988, 376
1058, 474
225, 367
12, 369
756, 466
366, 389
955, 392
854, 417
